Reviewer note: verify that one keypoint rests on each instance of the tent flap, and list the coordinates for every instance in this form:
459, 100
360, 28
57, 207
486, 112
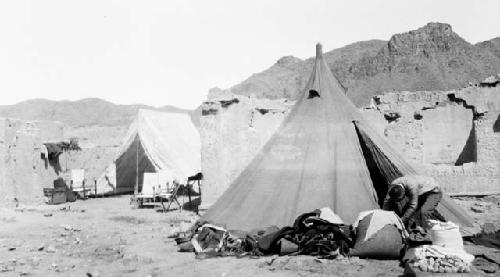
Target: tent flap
156, 142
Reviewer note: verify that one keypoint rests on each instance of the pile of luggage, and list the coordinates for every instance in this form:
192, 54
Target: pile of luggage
319, 233
375, 234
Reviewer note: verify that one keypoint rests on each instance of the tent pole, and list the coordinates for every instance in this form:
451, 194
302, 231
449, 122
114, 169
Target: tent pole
136, 187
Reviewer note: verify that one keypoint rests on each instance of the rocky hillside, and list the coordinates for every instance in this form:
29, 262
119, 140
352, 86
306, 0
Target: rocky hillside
82, 113
430, 58
492, 45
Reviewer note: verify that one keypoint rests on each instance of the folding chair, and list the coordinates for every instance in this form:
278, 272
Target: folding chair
171, 196
190, 182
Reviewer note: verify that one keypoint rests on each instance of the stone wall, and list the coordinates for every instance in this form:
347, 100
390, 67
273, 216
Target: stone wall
450, 133
23, 171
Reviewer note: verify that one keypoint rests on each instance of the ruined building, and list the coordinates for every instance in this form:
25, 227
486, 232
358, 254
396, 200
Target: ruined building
24, 166
454, 135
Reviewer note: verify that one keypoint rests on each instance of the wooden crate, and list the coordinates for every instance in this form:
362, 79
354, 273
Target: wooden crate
54, 196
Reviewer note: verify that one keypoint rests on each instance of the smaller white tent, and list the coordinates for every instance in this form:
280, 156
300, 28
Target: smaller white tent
155, 142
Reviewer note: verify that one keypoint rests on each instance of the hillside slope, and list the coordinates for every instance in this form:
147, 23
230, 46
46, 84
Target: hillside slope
430, 58
492, 45
81, 113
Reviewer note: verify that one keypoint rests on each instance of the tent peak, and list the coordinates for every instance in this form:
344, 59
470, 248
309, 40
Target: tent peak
319, 50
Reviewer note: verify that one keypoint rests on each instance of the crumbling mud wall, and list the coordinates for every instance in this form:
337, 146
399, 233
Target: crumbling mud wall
450, 133
453, 135
233, 129
99, 145
24, 172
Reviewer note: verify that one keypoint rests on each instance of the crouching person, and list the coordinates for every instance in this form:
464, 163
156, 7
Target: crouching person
414, 198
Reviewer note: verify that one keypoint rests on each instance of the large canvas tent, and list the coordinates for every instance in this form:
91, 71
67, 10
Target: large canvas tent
323, 155
155, 141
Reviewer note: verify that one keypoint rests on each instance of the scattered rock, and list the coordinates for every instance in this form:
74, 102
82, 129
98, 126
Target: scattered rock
495, 199
480, 207
93, 274
47, 214
66, 227
271, 260
41, 247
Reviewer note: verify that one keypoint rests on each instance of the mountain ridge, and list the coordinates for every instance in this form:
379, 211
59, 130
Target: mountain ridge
432, 57
80, 113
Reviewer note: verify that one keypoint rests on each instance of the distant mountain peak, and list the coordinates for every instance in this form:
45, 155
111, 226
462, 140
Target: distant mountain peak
431, 38
287, 61
432, 57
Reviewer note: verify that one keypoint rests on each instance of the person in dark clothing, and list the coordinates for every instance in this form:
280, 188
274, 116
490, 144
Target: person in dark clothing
414, 198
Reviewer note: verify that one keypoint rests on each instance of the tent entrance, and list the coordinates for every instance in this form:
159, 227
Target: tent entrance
382, 170
130, 167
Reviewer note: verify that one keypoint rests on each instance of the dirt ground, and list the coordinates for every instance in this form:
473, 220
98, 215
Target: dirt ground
106, 237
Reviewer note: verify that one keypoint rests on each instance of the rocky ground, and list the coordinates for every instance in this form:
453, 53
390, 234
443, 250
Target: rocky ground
106, 237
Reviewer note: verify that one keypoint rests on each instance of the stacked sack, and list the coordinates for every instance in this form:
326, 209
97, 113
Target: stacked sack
379, 234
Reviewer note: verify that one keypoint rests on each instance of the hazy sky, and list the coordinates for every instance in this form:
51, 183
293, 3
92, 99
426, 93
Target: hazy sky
171, 52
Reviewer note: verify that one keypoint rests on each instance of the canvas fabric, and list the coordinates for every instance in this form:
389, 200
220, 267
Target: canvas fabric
157, 141
315, 159
379, 219
77, 176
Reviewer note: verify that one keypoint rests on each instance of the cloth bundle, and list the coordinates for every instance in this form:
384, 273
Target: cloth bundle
208, 237
311, 234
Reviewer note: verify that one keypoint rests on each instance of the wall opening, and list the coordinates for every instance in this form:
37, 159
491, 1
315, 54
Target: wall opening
469, 151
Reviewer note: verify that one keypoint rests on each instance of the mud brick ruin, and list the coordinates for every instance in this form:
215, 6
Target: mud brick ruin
454, 135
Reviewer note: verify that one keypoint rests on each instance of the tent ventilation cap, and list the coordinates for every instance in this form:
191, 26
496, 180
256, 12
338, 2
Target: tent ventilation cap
312, 94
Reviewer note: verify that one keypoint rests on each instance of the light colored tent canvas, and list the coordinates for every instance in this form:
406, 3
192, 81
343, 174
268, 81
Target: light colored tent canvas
155, 142
150, 184
323, 155
77, 177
